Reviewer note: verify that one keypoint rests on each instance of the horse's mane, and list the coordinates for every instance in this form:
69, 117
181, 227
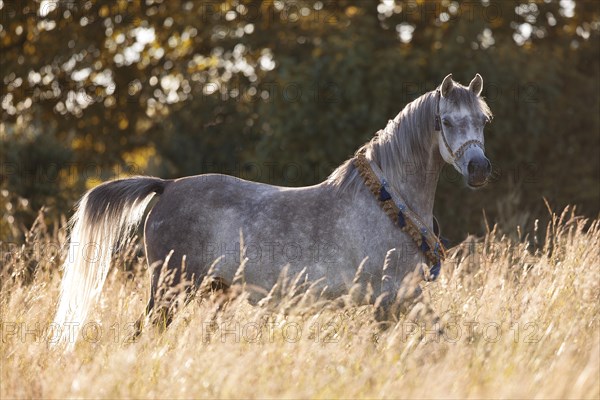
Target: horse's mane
404, 141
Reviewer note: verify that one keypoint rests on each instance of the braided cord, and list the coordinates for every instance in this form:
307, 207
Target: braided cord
401, 215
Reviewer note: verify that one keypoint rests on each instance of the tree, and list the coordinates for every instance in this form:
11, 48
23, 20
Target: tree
284, 91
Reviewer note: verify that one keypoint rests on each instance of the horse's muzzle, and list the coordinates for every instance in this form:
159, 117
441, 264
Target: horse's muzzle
479, 169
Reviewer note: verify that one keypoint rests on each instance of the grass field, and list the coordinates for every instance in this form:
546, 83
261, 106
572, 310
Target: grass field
502, 321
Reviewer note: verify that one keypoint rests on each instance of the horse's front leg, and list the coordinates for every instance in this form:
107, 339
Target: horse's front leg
398, 293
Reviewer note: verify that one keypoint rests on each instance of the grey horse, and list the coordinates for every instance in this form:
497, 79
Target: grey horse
213, 223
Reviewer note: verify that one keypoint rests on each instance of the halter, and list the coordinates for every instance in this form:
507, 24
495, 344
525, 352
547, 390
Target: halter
428, 242
438, 127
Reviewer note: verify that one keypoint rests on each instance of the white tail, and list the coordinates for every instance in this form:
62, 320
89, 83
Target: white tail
105, 216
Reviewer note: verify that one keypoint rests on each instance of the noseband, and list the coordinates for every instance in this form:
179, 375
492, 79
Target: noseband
456, 155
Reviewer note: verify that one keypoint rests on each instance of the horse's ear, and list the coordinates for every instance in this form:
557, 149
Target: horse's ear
476, 85
447, 85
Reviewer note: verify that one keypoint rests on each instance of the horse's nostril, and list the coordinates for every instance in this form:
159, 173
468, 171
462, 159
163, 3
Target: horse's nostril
488, 166
471, 167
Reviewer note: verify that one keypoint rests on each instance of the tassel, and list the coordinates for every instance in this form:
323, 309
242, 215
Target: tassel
401, 221
424, 246
434, 271
383, 194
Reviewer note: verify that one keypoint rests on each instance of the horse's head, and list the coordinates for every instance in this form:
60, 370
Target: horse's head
460, 117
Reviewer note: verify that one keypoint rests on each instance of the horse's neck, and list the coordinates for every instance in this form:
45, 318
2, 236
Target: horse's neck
415, 178
418, 184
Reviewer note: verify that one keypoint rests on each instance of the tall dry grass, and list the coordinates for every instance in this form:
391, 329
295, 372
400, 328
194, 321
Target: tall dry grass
503, 320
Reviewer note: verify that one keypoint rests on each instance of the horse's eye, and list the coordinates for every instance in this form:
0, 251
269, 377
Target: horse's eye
446, 122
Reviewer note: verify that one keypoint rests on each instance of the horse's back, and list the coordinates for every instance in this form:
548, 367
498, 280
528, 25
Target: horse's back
210, 216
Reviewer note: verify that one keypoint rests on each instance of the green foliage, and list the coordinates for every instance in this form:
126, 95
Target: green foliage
282, 92
35, 169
